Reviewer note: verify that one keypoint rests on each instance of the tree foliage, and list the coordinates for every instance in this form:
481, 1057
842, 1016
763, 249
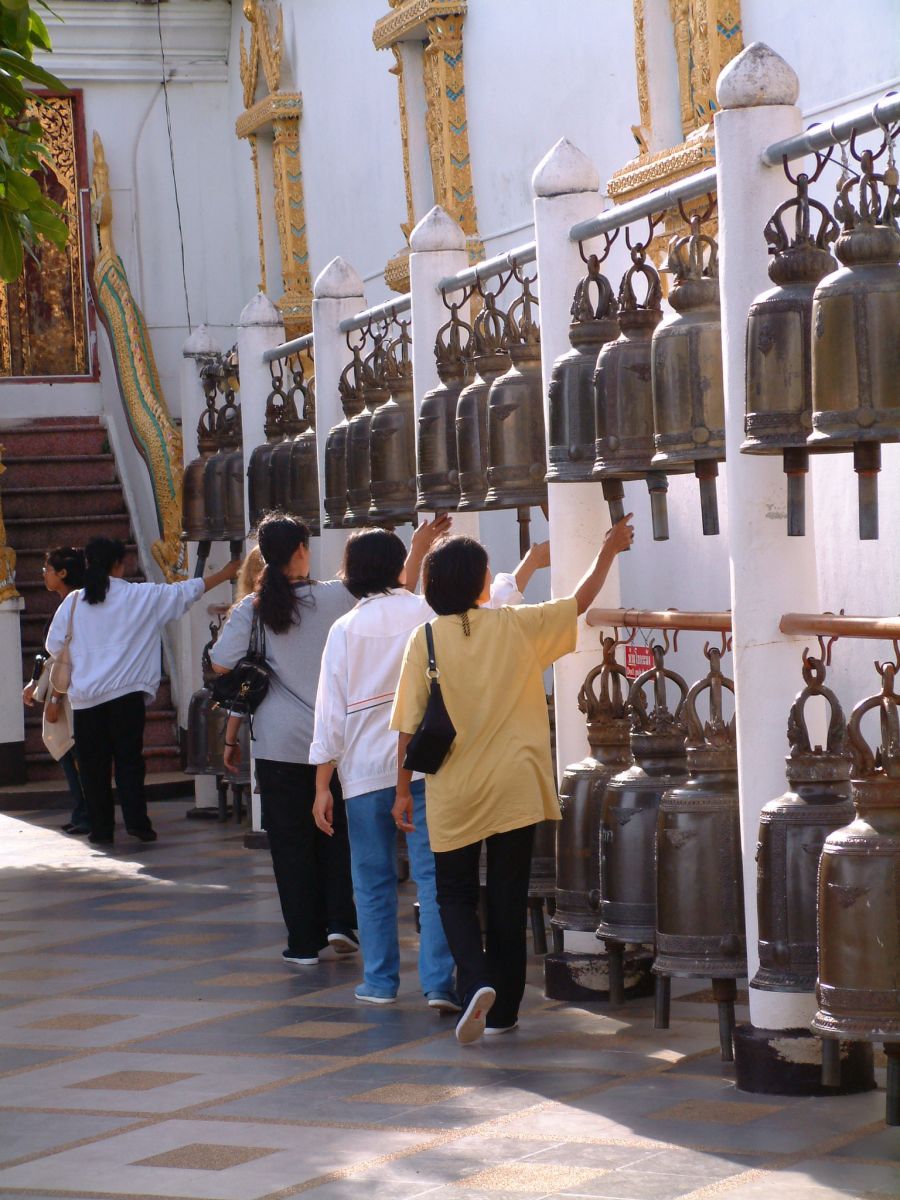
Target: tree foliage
26, 214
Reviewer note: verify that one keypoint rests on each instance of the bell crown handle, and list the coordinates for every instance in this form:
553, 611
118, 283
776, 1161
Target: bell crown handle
521, 327
489, 327
797, 729
584, 308
449, 348
608, 702
398, 369
628, 301
716, 733
803, 208
659, 718
886, 761
693, 256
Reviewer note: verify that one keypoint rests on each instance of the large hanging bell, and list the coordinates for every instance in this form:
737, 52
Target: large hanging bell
259, 470
374, 393
581, 795
223, 473
700, 881
490, 360
778, 416
858, 990
392, 438
571, 392
628, 817
196, 524
335, 502
205, 723
303, 467
688, 386
792, 830
623, 396
437, 481
517, 447
856, 334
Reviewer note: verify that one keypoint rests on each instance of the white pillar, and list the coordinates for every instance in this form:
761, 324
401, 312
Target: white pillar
12, 711
259, 329
770, 573
438, 249
566, 190
337, 295
193, 631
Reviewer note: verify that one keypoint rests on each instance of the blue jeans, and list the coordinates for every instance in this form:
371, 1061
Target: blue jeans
373, 863
79, 815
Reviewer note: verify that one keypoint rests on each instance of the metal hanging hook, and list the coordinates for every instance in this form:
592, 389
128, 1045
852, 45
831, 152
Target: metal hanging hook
595, 258
804, 178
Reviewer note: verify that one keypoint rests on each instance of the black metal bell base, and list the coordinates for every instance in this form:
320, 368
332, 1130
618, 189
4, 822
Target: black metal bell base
786, 1062
498, 498
768, 980
724, 993
572, 918
574, 977
616, 953
569, 472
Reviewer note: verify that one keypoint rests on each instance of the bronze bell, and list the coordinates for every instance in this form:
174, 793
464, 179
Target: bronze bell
856, 334
205, 724
700, 882
359, 479
779, 346
858, 990
437, 481
490, 360
196, 524
223, 474
259, 470
792, 830
628, 818
517, 448
335, 502
303, 466
688, 386
623, 396
581, 795
392, 438
571, 393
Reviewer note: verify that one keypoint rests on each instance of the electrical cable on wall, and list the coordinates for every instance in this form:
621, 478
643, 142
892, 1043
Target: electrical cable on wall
165, 87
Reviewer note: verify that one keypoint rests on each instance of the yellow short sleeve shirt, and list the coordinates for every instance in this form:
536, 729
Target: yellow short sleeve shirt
498, 774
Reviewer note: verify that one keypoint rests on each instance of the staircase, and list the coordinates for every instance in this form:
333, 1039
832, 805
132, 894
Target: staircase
60, 489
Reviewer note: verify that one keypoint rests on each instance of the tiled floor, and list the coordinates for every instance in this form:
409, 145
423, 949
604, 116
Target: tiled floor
153, 1044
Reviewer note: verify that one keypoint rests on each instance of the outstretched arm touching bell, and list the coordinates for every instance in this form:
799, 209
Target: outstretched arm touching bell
617, 539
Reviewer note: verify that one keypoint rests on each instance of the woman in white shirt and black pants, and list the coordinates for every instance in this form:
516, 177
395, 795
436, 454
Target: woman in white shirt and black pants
116, 659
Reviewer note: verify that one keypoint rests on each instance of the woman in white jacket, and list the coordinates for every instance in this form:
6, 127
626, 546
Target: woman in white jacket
360, 670
113, 630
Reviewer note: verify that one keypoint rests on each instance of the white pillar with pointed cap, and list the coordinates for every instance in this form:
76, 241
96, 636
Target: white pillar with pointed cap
770, 573
438, 249
337, 294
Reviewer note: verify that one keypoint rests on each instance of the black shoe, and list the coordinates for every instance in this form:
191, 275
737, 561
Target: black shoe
96, 840
143, 835
76, 830
68, 827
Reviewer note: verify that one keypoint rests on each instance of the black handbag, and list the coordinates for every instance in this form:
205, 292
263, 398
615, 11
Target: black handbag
430, 744
241, 690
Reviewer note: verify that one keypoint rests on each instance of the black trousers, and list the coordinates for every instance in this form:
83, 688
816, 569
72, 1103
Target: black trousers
110, 737
312, 870
499, 959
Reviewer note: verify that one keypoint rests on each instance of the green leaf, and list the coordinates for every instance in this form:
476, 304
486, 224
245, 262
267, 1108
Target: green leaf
15, 5
12, 255
37, 33
49, 226
12, 94
23, 191
17, 64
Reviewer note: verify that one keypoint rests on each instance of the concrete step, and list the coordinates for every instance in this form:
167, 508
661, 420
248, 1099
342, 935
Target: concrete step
54, 439
158, 759
78, 470
95, 499
53, 794
40, 533
159, 732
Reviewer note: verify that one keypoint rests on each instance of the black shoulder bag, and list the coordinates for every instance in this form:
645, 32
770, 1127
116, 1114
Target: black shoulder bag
431, 742
242, 689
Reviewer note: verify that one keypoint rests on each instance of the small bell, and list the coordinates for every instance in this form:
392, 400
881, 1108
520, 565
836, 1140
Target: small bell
196, 523
489, 362
374, 393
623, 398
688, 385
517, 453
259, 471
219, 487
437, 481
392, 437
303, 467
335, 502
571, 394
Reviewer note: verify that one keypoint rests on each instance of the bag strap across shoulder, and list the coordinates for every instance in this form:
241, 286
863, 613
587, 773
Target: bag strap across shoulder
257, 644
432, 671
70, 626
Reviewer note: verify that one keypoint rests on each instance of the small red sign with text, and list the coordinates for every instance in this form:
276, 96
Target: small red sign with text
638, 659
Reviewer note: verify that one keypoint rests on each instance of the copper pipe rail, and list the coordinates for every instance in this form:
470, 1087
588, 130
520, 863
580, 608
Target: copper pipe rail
670, 618
829, 625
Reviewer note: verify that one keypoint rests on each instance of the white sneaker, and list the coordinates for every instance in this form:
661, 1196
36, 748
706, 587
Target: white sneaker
367, 997
494, 1030
470, 1026
343, 943
298, 961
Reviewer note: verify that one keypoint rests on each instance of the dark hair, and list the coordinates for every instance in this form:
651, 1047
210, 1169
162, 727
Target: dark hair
373, 560
70, 560
100, 556
280, 537
455, 569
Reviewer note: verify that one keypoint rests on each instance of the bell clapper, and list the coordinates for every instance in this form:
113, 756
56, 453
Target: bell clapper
892, 1110
706, 470
658, 486
796, 468
662, 1001
203, 549
831, 1062
523, 515
725, 993
867, 464
614, 495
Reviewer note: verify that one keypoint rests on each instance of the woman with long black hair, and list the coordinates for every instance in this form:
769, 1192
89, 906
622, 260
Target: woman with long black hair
112, 629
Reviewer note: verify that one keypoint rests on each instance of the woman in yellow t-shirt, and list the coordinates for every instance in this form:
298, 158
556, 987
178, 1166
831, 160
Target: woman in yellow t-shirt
496, 783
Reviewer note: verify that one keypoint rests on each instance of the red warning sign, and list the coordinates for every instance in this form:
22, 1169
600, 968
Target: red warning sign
637, 660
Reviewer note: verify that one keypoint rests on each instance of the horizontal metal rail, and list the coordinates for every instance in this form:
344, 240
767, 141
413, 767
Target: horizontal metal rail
885, 111
670, 618
657, 201
286, 349
489, 268
381, 312
829, 625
